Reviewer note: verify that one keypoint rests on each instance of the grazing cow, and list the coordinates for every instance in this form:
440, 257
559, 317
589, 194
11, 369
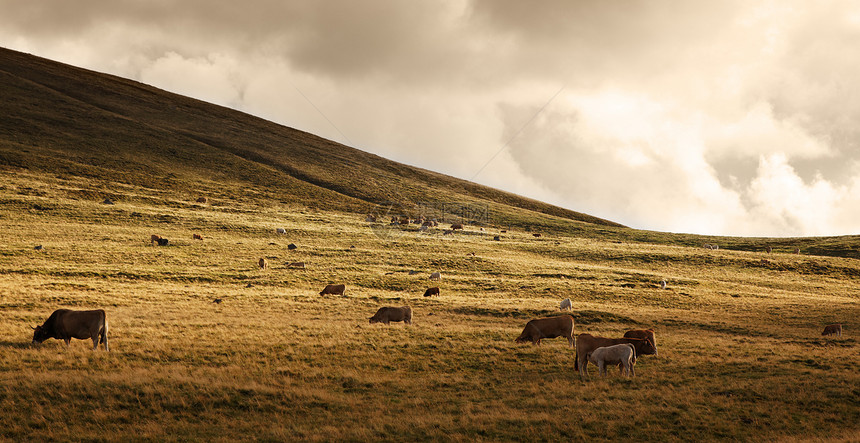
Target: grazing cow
423, 228
108, 201
38, 247
797, 250
263, 263
833, 330
768, 249
292, 246
162, 241
431, 291
197, 237
620, 354
497, 238
565, 304
65, 324
154, 239
503, 231
644, 334
536, 235
280, 230
586, 343
550, 327
662, 284
202, 200
388, 314
333, 290
436, 276
455, 226
296, 265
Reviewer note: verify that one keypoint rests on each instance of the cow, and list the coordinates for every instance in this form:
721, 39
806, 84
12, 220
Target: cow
197, 237
620, 354
387, 314
333, 290
296, 265
662, 284
202, 200
768, 249
456, 226
586, 343
162, 241
431, 291
833, 330
65, 324
536, 235
644, 334
497, 238
565, 304
370, 218
263, 263
549, 327
280, 230
154, 239
292, 246
436, 276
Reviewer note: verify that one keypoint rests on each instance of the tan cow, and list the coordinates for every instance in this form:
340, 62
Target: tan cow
387, 314
833, 330
621, 354
333, 290
587, 343
549, 327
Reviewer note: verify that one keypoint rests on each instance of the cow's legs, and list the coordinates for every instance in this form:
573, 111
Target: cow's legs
601, 367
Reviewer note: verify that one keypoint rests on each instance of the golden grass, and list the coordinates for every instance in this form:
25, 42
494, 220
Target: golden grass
741, 356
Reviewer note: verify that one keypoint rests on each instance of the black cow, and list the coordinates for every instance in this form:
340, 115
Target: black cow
65, 324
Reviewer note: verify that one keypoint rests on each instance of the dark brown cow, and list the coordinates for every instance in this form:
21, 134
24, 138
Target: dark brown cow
65, 324
833, 330
387, 314
550, 327
455, 226
154, 239
202, 200
162, 241
644, 334
536, 235
333, 290
197, 236
586, 343
431, 291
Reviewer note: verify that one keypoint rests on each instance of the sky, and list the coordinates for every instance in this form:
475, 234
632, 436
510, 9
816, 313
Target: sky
711, 117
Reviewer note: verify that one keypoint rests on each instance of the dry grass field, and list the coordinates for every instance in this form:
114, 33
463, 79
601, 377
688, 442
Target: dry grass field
740, 351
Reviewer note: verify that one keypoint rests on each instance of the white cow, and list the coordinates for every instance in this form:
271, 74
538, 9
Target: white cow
436, 276
281, 231
613, 355
565, 304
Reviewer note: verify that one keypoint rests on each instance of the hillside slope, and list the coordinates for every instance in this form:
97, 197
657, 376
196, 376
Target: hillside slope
72, 122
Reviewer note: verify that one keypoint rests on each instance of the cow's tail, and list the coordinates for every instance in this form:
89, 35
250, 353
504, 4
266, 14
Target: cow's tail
103, 338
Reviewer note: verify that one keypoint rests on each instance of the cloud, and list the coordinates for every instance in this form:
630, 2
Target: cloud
723, 117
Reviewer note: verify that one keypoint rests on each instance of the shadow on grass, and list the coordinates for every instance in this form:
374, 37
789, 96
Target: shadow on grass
16, 345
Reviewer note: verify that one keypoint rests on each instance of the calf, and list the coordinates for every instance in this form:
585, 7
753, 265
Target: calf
586, 343
65, 324
431, 291
436, 276
833, 330
387, 314
550, 327
333, 290
620, 354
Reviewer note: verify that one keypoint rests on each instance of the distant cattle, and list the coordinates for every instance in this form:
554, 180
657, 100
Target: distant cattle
797, 250
280, 230
163, 241
436, 276
65, 324
333, 290
550, 327
197, 237
296, 265
503, 231
202, 200
455, 226
370, 218
431, 291
768, 249
107, 201
833, 330
662, 284
620, 354
536, 235
447, 232
644, 334
154, 239
263, 263
565, 304
387, 314
586, 343
292, 246
38, 247
497, 238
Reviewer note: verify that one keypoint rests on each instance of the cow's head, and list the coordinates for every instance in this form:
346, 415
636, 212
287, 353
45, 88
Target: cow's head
648, 347
40, 334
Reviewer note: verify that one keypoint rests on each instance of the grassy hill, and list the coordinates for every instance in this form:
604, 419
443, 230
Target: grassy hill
741, 356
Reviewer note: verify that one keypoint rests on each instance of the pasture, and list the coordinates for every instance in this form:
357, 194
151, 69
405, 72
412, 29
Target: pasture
741, 356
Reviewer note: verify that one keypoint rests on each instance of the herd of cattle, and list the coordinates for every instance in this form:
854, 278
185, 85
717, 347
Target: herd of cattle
65, 324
